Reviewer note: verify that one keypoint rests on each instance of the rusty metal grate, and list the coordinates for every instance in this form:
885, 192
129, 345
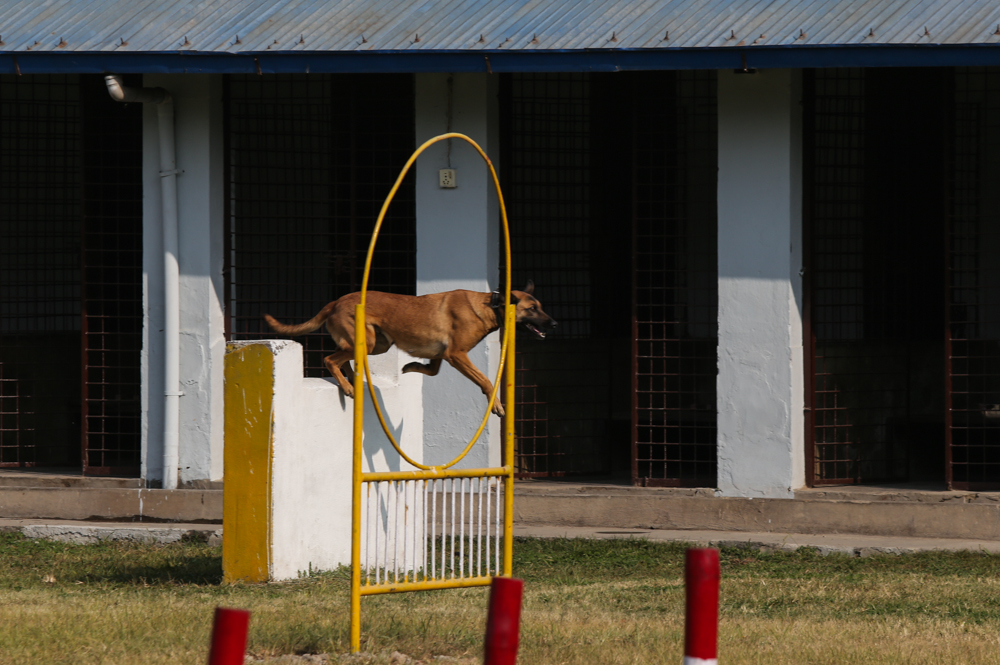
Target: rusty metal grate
675, 279
534, 458
12, 416
310, 160
874, 274
573, 184
70, 262
974, 284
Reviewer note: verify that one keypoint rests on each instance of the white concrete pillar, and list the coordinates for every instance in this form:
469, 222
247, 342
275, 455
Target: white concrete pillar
760, 384
200, 190
457, 247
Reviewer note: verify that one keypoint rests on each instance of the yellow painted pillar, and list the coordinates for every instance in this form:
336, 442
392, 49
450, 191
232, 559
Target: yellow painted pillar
246, 511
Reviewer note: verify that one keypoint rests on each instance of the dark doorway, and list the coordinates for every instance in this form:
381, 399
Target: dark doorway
610, 180
876, 155
973, 280
70, 275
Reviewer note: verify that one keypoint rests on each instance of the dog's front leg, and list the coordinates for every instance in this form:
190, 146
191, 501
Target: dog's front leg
460, 361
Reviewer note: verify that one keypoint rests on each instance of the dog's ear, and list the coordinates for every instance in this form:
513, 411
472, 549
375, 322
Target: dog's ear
530, 288
513, 298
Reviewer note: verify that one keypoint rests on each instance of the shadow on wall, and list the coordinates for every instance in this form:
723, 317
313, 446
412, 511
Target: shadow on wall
378, 450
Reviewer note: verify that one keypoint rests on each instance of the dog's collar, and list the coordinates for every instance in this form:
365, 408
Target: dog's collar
496, 300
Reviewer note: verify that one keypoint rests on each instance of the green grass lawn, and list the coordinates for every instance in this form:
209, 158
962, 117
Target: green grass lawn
618, 601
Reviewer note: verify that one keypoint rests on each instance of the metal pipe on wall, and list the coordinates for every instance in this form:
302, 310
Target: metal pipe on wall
171, 272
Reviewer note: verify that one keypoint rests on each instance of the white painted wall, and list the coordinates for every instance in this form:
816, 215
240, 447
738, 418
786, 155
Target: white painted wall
311, 469
200, 191
401, 399
760, 384
312, 443
457, 238
457, 248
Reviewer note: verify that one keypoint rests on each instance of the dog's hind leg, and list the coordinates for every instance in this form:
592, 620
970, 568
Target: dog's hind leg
333, 363
337, 362
461, 362
430, 369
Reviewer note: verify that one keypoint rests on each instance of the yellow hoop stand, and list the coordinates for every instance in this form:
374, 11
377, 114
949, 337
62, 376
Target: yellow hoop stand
505, 372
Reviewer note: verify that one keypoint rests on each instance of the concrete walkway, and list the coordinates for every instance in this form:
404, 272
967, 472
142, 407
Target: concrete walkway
852, 545
83, 533
61, 504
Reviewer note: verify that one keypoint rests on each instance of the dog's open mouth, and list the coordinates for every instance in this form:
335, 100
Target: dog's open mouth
536, 331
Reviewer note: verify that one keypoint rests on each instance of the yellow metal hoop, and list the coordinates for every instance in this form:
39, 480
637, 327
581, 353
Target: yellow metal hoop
433, 473
508, 329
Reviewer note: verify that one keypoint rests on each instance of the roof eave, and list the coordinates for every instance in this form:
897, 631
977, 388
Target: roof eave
500, 61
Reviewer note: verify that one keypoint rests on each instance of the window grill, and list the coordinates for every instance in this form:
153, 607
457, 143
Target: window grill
973, 414
591, 161
310, 160
70, 275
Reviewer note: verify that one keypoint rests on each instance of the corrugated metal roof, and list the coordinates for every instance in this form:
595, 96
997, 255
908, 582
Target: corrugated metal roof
312, 26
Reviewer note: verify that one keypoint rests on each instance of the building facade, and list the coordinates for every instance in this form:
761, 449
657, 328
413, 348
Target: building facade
768, 244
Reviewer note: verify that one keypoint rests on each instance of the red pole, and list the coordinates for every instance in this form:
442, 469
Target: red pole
503, 621
229, 637
701, 626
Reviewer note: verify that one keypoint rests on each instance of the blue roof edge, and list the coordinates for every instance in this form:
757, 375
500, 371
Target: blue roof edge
498, 61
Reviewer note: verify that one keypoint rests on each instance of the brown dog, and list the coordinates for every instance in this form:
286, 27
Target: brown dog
438, 326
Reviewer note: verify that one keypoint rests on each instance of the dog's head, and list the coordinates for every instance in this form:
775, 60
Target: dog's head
530, 314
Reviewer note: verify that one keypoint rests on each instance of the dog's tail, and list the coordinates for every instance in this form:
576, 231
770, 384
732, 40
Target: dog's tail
312, 324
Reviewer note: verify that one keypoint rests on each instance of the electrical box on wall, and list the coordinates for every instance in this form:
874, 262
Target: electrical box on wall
447, 178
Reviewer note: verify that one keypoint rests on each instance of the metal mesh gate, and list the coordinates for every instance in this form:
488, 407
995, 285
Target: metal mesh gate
111, 280
70, 275
581, 168
835, 199
40, 264
874, 220
974, 284
310, 159
675, 273
562, 387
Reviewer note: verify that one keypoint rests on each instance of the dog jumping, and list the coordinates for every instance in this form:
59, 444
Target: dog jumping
438, 326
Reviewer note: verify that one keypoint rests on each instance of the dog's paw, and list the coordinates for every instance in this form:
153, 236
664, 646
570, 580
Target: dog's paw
349, 391
413, 367
498, 407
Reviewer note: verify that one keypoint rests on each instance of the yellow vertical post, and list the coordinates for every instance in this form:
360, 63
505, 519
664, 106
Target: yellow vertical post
508, 398
360, 351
